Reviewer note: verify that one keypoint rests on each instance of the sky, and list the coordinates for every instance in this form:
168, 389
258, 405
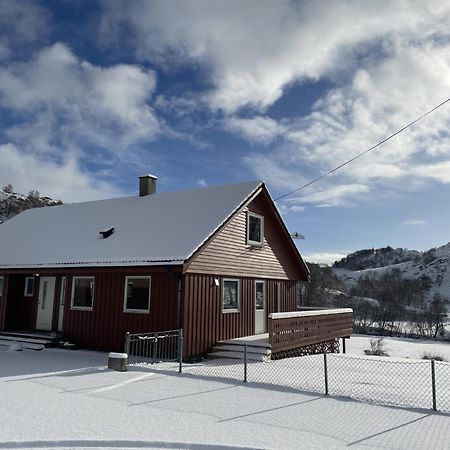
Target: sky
95, 93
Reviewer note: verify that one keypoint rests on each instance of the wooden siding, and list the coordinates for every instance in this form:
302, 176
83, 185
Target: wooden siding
105, 326
228, 253
20, 311
3, 297
204, 322
295, 332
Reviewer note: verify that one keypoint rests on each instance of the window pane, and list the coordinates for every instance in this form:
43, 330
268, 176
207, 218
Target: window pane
259, 298
138, 293
254, 229
1, 286
230, 294
29, 286
83, 292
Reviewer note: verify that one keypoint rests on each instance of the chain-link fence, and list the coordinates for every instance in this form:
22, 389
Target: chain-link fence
380, 380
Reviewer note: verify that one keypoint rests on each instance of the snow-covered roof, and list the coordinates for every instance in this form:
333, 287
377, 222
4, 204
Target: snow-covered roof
162, 228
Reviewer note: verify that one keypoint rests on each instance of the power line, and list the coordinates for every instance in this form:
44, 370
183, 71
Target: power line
366, 151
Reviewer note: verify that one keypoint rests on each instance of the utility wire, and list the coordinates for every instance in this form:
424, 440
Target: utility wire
366, 151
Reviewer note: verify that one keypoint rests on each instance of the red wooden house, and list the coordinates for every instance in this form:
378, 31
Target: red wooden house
214, 261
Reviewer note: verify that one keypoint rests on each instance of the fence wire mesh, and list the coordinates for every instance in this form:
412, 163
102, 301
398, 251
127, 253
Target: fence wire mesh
442, 371
379, 380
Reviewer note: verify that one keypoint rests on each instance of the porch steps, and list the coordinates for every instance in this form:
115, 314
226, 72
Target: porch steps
224, 350
29, 339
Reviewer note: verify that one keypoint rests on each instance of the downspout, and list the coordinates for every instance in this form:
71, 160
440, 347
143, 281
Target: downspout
178, 321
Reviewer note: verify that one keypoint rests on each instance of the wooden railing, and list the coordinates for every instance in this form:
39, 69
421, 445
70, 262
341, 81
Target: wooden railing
297, 329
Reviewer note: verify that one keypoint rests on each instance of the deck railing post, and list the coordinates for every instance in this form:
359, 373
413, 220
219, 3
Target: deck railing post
433, 383
180, 351
325, 370
245, 363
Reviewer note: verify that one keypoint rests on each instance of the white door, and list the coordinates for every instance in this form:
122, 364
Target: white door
260, 307
62, 298
45, 303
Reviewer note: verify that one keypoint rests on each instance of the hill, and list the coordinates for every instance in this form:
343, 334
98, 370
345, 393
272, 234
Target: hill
428, 271
13, 203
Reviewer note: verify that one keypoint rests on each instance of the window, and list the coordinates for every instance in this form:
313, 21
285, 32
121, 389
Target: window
29, 287
1, 286
137, 294
259, 295
83, 292
255, 229
230, 295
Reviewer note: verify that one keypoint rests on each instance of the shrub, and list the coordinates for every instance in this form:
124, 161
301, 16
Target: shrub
376, 348
433, 356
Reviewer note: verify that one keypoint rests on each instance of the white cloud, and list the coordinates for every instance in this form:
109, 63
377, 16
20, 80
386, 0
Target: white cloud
90, 103
439, 171
64, 180
323, 257
415, 222
378, 99
258, 129
255, 49
334, 196
22, 23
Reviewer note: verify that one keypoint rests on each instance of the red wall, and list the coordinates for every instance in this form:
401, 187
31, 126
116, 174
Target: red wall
204, 323
20, 314
105, 326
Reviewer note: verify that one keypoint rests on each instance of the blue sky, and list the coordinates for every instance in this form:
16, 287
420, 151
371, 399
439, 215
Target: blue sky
95, 93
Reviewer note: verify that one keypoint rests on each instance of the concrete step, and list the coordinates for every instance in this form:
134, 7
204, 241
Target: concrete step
226, 350
15, 345
31, 339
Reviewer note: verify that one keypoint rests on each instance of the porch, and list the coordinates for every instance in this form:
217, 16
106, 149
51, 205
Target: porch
295, 334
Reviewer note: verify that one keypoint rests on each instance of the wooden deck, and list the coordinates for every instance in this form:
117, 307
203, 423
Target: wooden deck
301, 329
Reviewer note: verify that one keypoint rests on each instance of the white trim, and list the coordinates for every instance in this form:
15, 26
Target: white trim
82, 308
25, 293
317, 312
261, 218
2, 285
232, 310
264, 294
137, 311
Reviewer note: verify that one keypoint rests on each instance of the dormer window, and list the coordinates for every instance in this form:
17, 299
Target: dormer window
255, 229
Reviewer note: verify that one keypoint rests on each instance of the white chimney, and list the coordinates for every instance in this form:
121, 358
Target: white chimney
147, 185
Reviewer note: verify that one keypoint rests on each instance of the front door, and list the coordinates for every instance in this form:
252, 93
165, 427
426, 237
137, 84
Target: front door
45, 303
260, 307
62, 299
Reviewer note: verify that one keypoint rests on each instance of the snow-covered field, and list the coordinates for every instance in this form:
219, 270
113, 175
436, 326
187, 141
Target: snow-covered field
68, 399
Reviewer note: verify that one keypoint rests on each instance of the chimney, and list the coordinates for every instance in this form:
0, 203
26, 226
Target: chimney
147, 185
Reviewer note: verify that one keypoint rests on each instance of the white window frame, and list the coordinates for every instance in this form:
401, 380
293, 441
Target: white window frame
264, 294
137, 311
25, 293
82, 308
258, 216
2, 286
232, 310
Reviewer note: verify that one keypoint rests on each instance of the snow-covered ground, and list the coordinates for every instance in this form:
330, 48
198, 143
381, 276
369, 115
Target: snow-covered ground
68, 399
399, 347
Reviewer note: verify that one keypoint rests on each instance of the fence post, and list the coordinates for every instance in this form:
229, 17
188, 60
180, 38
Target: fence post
325, 369
127, 343
433, 383
180, 351
245, 363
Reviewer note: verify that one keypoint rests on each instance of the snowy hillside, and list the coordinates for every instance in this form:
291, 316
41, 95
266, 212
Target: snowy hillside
12, 203
432, 266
